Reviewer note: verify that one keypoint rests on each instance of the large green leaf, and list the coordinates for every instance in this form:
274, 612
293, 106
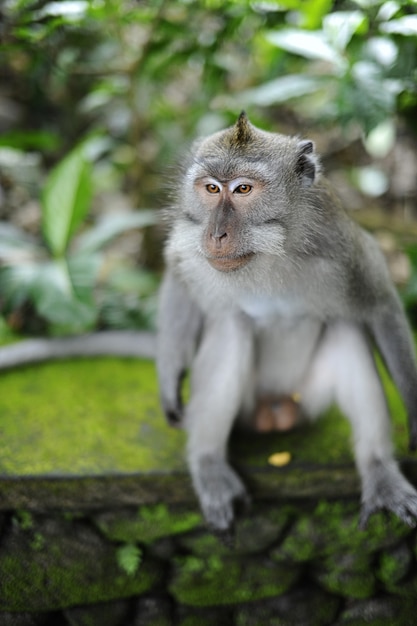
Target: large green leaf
111, 226
66, 200
59, 301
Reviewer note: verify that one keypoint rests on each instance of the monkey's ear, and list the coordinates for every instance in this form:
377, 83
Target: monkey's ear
307, 162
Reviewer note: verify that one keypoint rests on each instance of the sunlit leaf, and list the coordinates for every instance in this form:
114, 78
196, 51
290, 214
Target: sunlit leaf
57, 301
282, 89
16, 283
112, 226
388, 10
66, 200
309, 44
372, 181
380, 141
16, 245
382, 49
340, 26
69, 9
406, 25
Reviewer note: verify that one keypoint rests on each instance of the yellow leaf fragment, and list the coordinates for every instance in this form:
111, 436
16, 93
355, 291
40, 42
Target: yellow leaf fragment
278, 459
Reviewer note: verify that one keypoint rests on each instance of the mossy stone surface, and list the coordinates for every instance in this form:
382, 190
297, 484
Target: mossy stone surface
217, 580
86, 419
306, 606
393, 566
255, 532
57, 563
347, 574
148, 523
332, 528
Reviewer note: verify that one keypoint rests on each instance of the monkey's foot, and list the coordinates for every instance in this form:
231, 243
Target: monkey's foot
219, 488
386, 488
280, 413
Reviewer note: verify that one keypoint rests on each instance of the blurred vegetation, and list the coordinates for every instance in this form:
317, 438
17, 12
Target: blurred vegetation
98, 98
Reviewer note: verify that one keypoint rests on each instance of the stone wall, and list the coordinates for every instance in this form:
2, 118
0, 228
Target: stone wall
291, 564
99, 525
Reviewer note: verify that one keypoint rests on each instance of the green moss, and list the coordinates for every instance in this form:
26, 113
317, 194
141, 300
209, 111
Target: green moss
148, 523
348, 575
98, 416
218, 580
24, 519
89, 416
333, 527
102, 416
253, 533
69, 567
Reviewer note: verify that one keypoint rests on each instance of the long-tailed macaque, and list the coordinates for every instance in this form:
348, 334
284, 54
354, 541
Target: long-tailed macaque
271, 289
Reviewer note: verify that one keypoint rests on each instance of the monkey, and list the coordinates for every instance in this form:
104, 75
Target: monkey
271, 289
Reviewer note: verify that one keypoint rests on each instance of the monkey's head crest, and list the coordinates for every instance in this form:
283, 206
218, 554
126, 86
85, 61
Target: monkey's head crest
242, 132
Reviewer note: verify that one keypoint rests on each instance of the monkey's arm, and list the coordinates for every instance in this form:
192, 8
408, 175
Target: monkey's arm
107, 343
395, 342
179, 325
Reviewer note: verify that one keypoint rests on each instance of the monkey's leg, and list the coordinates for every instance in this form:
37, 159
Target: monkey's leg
344, 370
221, 374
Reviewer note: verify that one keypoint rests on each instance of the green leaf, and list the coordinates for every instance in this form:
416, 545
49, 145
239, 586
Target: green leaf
313, 12
340, 26
309, 44
16, 246
16, 283
66, 200
282, 89
112, 226
406, 25
57, 300
129, 558
30, 140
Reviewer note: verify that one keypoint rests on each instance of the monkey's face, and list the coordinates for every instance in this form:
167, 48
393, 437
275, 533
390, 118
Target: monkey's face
228, 204
242, 193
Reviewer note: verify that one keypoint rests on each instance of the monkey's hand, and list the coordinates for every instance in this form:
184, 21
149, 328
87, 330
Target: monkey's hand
386, 488
412, 421
173, 412
218, 488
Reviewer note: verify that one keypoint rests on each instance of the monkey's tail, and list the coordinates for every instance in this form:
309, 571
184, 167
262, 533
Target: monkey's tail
136, 344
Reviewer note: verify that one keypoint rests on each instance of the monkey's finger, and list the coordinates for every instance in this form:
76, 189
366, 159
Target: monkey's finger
413, 434
242, 504
173, 416
220, 518
364, 515
226, 537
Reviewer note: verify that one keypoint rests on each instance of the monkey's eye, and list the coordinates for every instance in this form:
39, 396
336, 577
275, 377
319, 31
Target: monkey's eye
243, 189
213, 188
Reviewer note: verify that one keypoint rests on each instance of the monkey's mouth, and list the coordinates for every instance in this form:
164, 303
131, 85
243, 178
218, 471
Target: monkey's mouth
230, 264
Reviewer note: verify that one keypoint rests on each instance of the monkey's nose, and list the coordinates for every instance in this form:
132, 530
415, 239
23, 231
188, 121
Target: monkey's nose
219, 239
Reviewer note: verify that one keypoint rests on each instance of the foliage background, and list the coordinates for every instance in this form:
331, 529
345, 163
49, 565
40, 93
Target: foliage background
119, 88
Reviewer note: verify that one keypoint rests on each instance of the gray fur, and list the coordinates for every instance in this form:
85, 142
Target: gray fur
288, 292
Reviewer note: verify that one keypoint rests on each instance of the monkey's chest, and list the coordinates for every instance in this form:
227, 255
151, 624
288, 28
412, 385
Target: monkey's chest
264, 309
